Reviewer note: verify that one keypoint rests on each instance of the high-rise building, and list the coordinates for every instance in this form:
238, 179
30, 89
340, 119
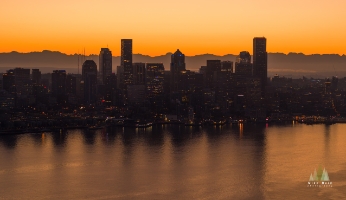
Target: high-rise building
155, 75
22, 80
208, 75
105, 63
243, 73
59, 85
260, 61
120, 77
71, 82
177, 65
243, 65
8, 82
58, 82
227, 66
89, 78
138, 73
36, 76
110, 90
126, 61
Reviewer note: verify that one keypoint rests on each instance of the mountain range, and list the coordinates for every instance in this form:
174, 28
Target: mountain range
289, 65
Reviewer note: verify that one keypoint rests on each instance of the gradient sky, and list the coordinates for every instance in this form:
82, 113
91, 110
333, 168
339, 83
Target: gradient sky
157, 27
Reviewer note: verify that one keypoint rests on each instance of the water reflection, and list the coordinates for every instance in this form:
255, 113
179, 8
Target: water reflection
59, 138
154, 137
247, 161
9, 141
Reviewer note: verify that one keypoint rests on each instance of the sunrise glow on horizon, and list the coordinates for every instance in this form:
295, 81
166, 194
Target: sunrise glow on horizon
158, 27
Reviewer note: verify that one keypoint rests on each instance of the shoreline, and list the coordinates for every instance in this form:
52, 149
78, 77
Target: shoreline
140, 126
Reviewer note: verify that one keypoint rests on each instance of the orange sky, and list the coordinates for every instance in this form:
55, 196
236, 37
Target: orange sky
157, 27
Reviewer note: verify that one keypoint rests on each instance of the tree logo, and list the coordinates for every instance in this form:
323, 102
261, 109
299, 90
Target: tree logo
319, 178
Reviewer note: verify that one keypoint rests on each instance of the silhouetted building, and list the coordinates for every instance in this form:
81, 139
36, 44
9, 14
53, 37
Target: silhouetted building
71, 82
154, 79
136, 94
177, 65
243, 65
7, 100
260, 61
227, 66
224, 89
105, 63
212, 66
36, 76
59, 85
22, 81
125, 71
138, 73
126, 60
8, 82
58, 82
110, 90
120, 77
89, 78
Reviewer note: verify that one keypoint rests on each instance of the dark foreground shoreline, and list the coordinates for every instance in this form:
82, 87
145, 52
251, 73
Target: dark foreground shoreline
147, 125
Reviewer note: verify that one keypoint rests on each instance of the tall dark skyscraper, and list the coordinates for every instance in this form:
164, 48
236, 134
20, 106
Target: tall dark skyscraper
126, 61
177, 65
89, 78
260, 61
105, 63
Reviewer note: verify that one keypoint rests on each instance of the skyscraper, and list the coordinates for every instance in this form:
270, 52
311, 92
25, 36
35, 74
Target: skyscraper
138, 73
177, 65
89, 77
243, 72
155, 75
260, 61
71, 87
59, 85
8, 81
126, 61
58, 82
22, 79
105, 64
243, 66
36, 76
208, 76
110, 89
227, 66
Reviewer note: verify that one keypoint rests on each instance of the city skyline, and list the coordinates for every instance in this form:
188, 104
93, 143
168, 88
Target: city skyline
215, 27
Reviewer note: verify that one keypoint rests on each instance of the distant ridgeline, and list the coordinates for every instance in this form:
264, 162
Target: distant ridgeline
289, 65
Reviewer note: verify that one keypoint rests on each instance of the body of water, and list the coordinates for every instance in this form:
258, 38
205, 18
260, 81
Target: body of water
175, 162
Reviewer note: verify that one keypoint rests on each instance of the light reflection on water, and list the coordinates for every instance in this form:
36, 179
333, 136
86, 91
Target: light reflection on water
231, 162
